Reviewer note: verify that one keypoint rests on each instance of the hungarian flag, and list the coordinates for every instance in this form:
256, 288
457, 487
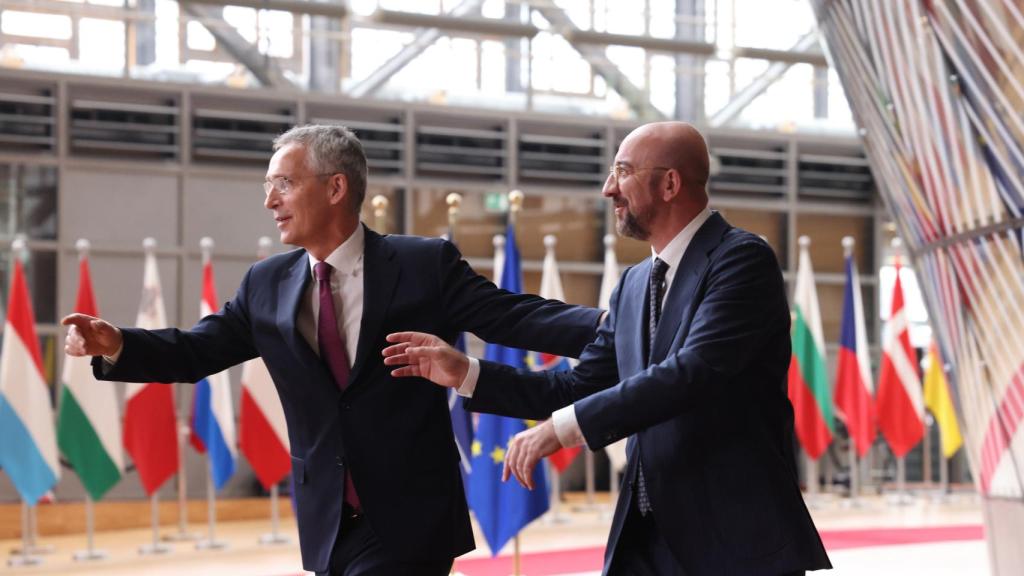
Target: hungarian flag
213, 418
150, 431
939, 400
808, 382
88, 425
854, 385
262, 431
28, 449
900, 403
551, 288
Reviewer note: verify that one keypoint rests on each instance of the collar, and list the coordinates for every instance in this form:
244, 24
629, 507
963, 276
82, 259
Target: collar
346, 257
673, 252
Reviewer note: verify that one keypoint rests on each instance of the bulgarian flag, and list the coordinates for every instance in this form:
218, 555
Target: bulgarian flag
808, 383
88, 425
854, 386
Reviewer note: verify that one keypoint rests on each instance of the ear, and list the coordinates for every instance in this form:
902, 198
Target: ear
671, 185
337, 188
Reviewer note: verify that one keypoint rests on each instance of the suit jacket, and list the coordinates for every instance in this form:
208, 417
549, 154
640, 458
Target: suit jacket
709, 417
393, 433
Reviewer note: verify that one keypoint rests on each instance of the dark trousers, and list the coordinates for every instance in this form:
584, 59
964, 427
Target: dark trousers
642, 551
358, 552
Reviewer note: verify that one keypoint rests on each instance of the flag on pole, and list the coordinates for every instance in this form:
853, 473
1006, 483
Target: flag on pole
88, 424
616, 452
150, 430
503, 508
854, 385
808, 382
28, 449
499, 257
940, 402
551, 288
900, 402
213, 420
462, 420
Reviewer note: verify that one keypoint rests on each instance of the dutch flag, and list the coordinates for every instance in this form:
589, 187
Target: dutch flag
213, 420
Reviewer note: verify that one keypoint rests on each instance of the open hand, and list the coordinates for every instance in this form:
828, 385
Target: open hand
89, 336
526, 448
426, 356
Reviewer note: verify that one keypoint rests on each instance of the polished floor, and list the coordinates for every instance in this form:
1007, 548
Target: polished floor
876, 536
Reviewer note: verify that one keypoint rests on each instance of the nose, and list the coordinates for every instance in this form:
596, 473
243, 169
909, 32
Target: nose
611, 187
272, 199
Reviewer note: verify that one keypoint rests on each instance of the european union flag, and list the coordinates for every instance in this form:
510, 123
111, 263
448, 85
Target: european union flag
503, 508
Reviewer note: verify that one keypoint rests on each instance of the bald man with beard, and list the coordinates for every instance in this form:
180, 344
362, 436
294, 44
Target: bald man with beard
690, 365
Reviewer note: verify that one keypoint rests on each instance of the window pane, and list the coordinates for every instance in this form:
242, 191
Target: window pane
28, 201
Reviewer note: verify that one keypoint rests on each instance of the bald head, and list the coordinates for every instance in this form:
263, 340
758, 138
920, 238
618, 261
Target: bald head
675, 145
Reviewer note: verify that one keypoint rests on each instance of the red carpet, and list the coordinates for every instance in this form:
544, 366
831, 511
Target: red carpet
590, 559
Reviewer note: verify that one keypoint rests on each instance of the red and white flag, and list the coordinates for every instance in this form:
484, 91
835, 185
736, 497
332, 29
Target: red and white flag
150, 430
263, 433
900, 402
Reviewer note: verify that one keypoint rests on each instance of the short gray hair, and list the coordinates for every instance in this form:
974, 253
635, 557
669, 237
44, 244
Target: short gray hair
331, 149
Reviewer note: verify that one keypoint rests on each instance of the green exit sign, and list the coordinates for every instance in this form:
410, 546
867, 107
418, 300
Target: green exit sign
496, 202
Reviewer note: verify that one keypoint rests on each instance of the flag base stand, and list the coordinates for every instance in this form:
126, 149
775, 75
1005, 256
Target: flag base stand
154, 549
19, 559
271, 538
87, 555
901, 497
207, 544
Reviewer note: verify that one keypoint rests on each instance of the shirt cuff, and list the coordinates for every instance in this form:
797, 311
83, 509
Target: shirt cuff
469, 382
112, 359
567, 428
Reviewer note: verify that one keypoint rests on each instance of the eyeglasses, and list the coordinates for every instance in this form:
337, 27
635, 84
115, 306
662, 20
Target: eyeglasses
285, 185
619, 172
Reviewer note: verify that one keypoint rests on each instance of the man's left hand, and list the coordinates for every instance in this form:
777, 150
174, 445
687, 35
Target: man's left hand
526, 449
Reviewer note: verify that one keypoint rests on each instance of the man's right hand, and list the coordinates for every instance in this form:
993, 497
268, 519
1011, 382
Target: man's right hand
89, 336
426, 356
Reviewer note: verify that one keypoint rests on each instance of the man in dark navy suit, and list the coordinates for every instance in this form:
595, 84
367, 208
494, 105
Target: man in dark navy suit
690, 364
375, 466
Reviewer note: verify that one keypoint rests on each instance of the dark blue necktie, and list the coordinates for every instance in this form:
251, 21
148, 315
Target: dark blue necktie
656, 289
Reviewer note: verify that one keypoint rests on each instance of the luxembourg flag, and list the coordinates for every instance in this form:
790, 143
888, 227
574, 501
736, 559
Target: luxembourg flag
551, 287
28, 451
854, 387
263, 433
213, 420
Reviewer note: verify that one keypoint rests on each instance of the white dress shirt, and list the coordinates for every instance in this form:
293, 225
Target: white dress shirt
346, 289
567, 428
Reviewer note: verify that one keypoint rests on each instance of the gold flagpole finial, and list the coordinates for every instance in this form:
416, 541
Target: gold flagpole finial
380, 212
515, 204
454, 201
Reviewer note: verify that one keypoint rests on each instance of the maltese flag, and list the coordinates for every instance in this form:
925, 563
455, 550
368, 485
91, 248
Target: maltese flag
213, 420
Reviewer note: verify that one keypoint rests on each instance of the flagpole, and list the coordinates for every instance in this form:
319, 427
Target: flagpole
515, 204
380, 213
851, 447
210, 542
25, 556
274, 537
154, 513
90, 552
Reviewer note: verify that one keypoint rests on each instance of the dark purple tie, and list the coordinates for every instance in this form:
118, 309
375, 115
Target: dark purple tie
332, 351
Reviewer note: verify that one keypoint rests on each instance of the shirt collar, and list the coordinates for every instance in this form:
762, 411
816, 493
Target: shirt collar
672, 254
345, 257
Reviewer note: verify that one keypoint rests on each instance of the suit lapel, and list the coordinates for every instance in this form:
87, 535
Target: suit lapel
632, 317
691, 269
293, 287
380, 276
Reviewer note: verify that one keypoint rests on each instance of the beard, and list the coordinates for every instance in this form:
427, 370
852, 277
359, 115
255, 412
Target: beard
636, 226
